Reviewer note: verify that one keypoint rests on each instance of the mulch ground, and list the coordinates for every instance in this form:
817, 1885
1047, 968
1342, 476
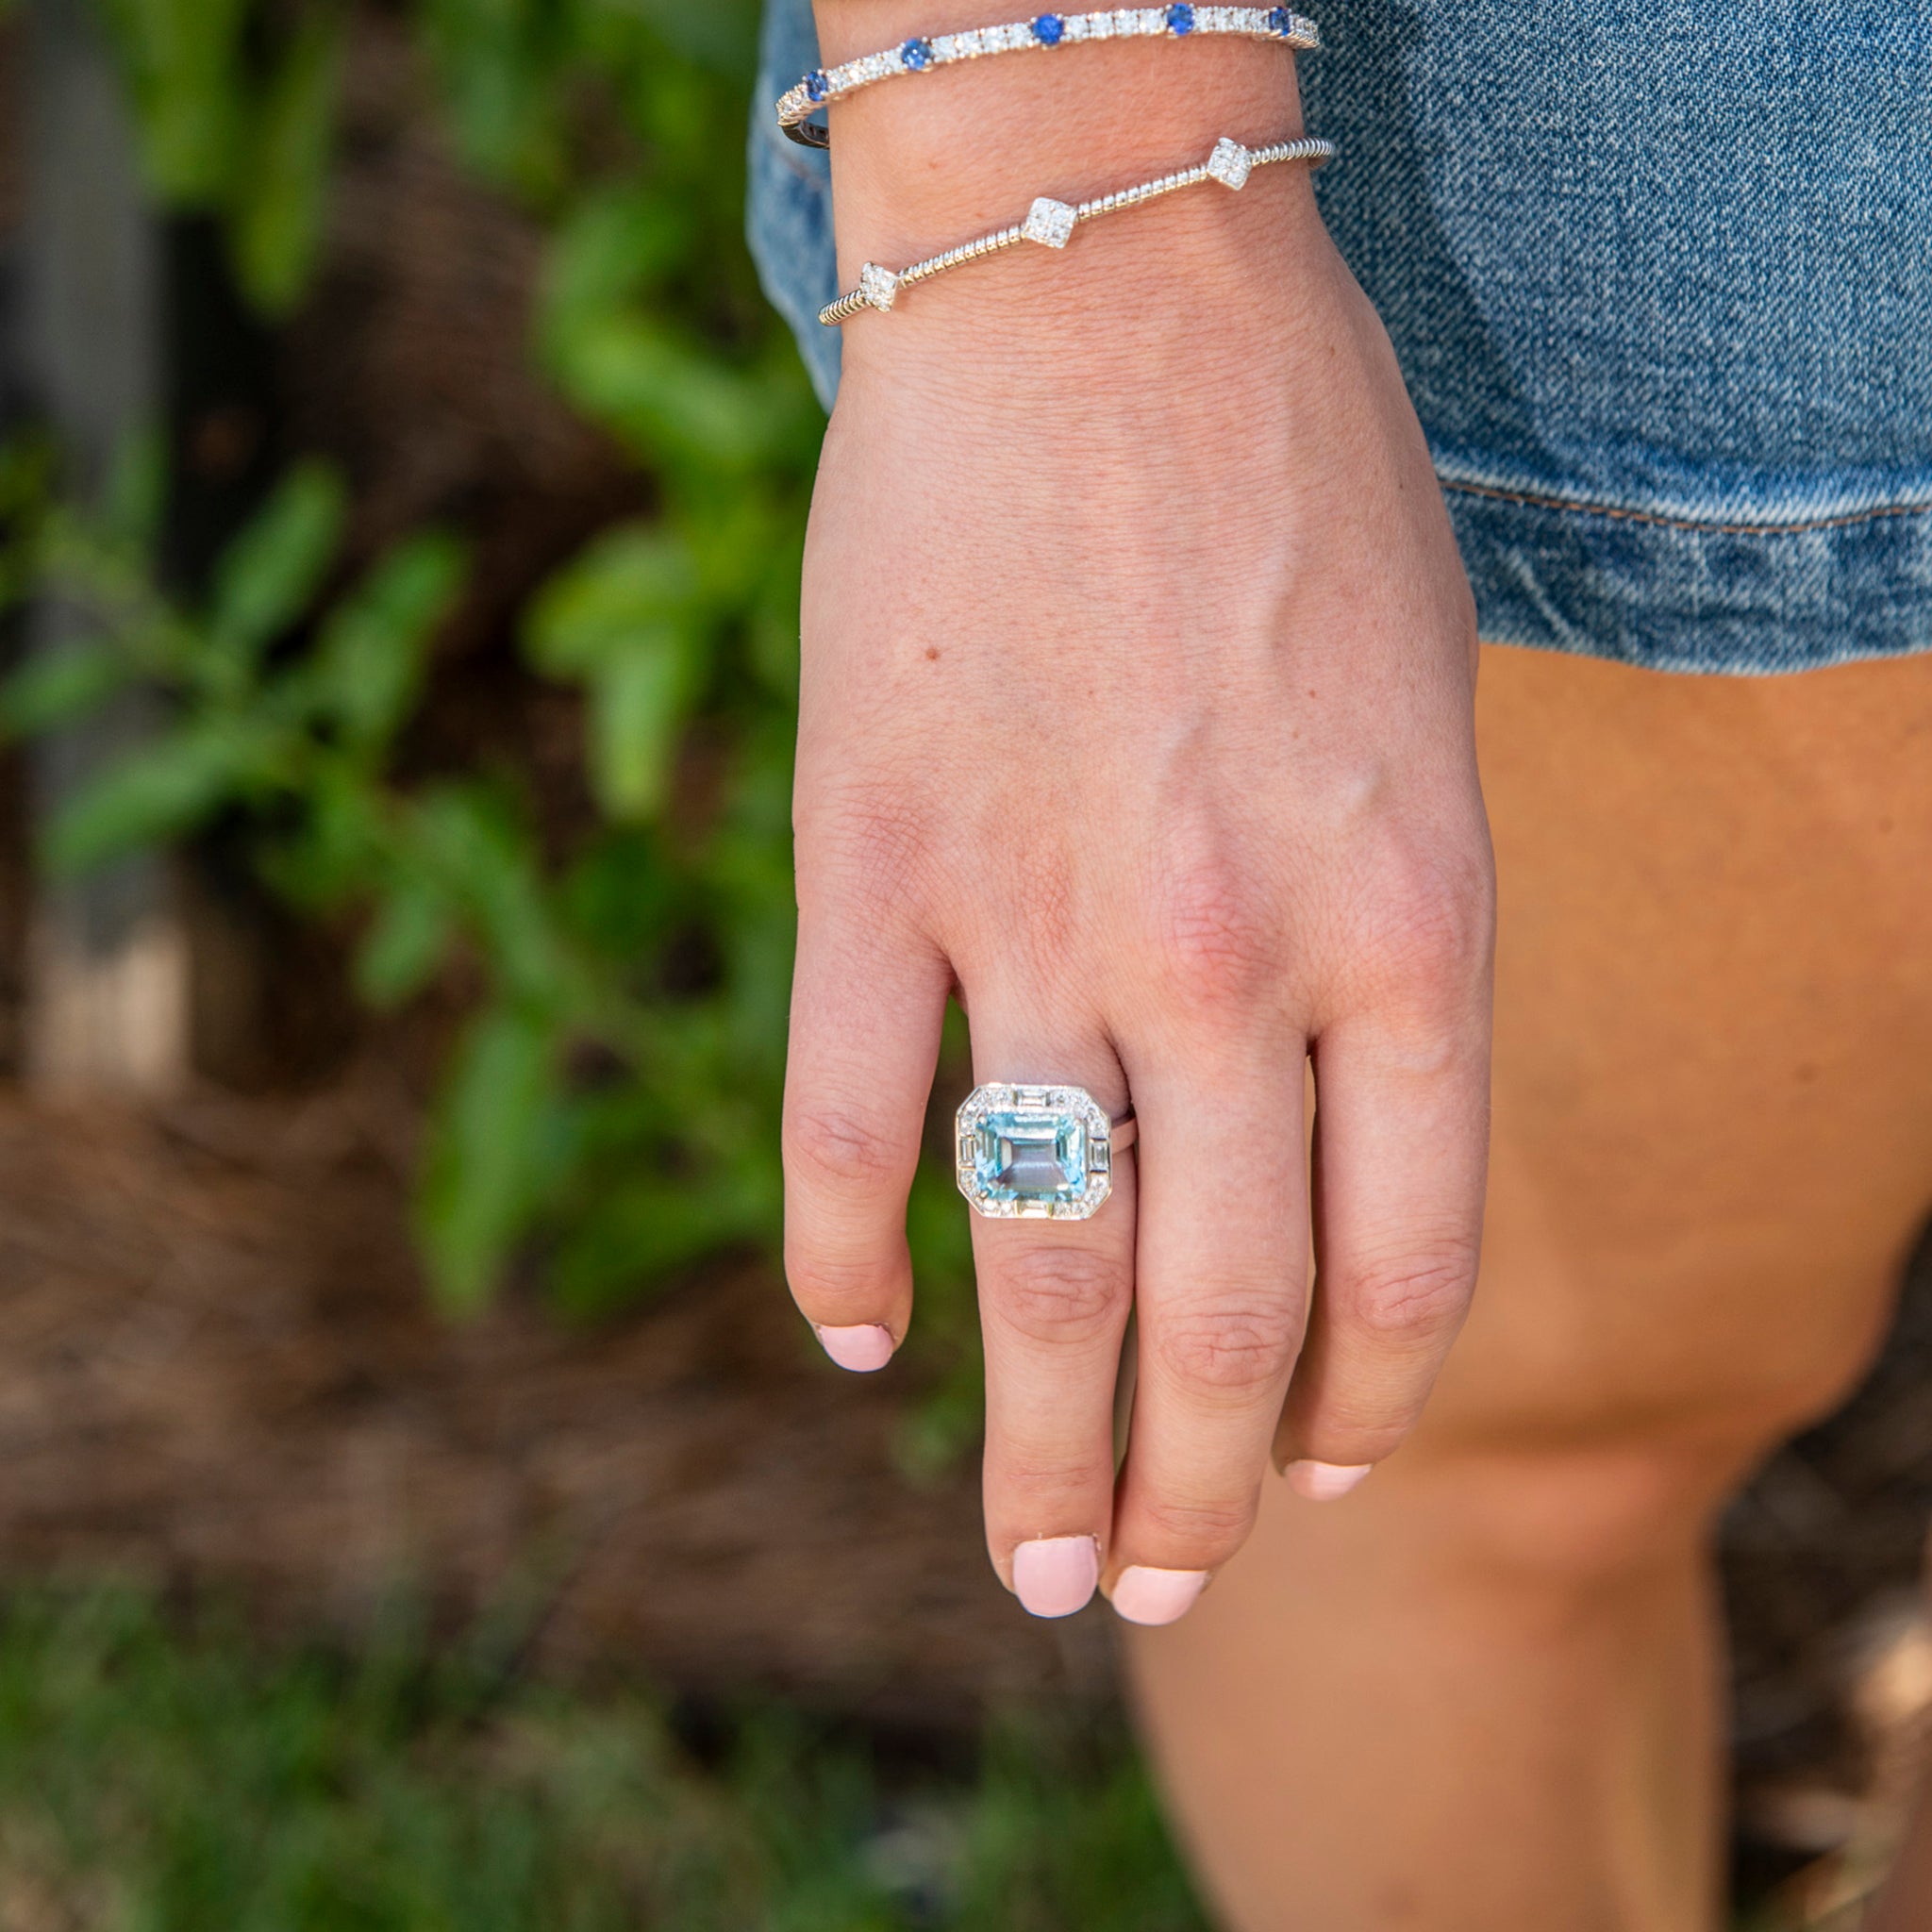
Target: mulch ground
217, 1368
218, 1372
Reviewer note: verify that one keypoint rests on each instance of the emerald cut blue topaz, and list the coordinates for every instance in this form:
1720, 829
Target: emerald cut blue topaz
1034, 1151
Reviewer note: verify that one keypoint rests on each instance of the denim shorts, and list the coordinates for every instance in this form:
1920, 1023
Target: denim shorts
1659, 276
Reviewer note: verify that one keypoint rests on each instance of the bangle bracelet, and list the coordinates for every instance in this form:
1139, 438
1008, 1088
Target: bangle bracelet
917, 54
1052, 223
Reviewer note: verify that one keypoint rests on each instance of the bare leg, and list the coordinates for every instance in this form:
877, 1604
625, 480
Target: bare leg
1479, 1695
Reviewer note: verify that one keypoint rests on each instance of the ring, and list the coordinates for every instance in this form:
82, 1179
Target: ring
1037, 1152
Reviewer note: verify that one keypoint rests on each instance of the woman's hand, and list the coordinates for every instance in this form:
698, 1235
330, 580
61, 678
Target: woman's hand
1137, 706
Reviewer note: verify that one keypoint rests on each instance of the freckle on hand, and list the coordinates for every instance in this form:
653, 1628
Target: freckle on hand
932, 654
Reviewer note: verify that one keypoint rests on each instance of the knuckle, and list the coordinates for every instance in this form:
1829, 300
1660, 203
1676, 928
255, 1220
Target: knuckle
833, 1146
869, 844
1416, 1297
1238, 1351
1205, 1530
827, 1285
1428, 924
1060, 1296
1212, 939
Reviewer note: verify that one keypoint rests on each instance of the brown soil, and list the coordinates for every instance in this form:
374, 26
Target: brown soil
217, 1368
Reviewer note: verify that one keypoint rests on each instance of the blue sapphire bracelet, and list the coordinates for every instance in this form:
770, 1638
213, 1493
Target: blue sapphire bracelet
919, 54
1052, 223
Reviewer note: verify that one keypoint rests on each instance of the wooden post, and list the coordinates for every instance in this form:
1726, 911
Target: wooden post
108, 992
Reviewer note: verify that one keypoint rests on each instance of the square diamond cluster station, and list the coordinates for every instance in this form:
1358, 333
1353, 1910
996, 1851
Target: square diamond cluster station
1034, 1152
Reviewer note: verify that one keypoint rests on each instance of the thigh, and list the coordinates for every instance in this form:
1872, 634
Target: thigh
1712, 1135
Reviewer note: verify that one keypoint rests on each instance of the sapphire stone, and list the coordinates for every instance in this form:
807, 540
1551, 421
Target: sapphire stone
1180, 17
1280, 20
815, 84
916, 54
1048, 28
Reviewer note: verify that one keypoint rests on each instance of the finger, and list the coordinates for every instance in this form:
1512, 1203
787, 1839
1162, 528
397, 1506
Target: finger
867, 1008
1054, 1297
1401, 1134
1221, 1268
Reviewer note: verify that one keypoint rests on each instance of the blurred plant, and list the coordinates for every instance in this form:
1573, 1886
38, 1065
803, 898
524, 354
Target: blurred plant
180, 1780
615, 1096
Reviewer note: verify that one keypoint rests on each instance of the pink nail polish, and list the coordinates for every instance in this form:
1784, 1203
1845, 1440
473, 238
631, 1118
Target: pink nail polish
861, 1349
1145, 1595
1323, 1482
1053, 1576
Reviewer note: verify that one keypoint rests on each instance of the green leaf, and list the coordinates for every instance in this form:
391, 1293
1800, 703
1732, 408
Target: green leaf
269, 575
484, 1152
55, 686
636, 1232
183, 59
280, 195
405, 944
498, 61
663, 395
162, 792
368, 664
633, 578
638, 701
484, 858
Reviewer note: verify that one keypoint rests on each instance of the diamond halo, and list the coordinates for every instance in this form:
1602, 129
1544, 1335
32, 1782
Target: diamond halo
1032, 1153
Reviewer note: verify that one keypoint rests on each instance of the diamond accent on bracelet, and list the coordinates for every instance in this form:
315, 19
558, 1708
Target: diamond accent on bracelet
1049, 222
1230, 163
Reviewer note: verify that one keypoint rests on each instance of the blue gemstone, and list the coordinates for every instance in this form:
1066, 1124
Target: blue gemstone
916, 54
1281, 20
815, 84
1180, 17
1048, 28
1028, 1154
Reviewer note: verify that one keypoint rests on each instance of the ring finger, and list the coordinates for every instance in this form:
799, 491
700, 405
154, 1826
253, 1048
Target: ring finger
1053, 1295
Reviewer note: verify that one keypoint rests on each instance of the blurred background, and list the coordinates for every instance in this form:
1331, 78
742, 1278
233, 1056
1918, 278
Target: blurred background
420, 1507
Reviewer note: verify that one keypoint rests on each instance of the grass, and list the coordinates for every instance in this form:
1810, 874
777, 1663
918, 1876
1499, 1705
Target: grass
159, 1775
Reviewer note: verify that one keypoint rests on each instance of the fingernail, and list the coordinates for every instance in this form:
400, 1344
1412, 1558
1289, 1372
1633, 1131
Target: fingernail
861, 1349
1145, 1595
1322, 1482
1053, 1576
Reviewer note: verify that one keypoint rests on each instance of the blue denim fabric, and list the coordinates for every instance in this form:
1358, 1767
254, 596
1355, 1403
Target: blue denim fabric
1659, 276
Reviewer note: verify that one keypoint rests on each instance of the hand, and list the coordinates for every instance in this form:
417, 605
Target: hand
1138, 679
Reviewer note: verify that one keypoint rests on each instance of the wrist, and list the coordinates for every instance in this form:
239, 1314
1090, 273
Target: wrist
920, 166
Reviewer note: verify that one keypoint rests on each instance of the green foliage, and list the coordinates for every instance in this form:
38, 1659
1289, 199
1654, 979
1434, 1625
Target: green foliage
609, 1105
176, 1781
236, 105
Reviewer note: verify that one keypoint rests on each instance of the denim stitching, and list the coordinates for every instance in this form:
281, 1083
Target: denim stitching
1704, 529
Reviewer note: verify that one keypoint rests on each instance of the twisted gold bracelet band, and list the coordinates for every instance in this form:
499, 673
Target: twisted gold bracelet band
1052, 223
